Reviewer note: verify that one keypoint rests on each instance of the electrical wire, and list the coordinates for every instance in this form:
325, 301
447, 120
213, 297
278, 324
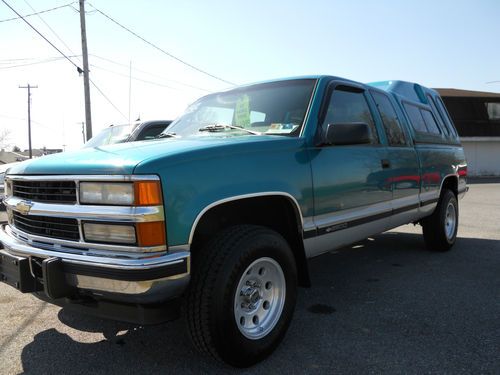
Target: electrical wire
134, 78
40, 12
161, 49
148, 73
52, 59
50, 28
109, 101
80, 70
67, 58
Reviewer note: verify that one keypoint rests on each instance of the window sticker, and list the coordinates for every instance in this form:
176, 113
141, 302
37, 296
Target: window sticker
281, 128
242, 112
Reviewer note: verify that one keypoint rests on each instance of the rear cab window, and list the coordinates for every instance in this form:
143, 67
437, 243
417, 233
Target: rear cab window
424, 123
390, 120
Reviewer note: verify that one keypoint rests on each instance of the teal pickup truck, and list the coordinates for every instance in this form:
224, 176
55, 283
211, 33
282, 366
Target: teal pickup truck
221, 212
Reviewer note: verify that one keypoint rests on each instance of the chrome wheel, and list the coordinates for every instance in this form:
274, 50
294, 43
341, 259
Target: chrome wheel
450, 221
259, 298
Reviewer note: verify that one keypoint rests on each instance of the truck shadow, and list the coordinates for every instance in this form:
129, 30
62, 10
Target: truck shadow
353, 288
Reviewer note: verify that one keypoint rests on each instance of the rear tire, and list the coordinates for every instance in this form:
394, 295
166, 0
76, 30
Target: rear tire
242, 295
440, 229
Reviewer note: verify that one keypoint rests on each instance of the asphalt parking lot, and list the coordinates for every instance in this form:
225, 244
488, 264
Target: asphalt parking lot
385, 305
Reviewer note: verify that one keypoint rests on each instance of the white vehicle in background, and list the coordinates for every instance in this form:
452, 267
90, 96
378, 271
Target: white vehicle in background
136, 131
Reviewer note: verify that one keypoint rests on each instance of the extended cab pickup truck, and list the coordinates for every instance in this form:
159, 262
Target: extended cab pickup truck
224, 210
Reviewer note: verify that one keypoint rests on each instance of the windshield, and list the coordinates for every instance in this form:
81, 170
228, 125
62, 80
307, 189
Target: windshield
113, 134
268, 108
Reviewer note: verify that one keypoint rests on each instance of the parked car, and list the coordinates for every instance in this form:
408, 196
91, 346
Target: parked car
137, 131
222, 212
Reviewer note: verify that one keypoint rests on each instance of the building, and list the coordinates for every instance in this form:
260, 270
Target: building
477, 118
7, 157
14, 156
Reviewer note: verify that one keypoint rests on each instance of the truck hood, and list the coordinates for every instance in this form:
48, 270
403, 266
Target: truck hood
121, 159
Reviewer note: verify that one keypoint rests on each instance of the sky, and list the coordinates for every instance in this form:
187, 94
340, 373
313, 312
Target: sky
445, 44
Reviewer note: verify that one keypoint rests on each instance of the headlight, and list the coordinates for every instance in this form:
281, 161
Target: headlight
109, 233
112, 193
139, 193
141, 234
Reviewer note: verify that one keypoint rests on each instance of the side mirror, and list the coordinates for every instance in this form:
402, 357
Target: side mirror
351, 133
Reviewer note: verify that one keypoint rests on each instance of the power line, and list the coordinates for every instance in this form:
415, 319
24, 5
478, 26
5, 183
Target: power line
50, 28
151, 74
80, 70
10, 61
144, 80
134, 78
25, 119
109, 101
34, 14
51, 59
160, 49
48, 41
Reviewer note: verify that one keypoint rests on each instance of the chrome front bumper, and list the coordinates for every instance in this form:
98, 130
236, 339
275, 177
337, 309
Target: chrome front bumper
134, 280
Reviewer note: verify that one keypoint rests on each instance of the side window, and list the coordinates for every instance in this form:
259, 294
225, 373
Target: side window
350, 106
151, 132
430, 121
390, 119
438, 114
416, 119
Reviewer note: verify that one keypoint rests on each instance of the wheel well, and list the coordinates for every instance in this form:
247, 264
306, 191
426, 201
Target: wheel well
275, 212
450, 183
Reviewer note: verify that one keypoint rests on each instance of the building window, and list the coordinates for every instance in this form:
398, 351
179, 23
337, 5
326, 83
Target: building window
493, 110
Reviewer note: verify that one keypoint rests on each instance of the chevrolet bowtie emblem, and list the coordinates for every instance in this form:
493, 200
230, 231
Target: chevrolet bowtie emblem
24, 207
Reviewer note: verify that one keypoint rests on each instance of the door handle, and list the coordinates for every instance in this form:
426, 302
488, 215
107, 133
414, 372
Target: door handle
385, 163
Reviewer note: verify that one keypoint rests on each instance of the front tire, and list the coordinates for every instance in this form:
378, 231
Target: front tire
440, 229
242, 294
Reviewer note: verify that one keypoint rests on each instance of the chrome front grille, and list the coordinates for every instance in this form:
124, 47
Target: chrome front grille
53, 227
44, 210
45, 191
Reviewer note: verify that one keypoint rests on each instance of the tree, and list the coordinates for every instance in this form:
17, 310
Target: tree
16, 149
4, 138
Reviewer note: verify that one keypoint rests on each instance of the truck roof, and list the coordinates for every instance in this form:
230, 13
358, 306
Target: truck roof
405, 90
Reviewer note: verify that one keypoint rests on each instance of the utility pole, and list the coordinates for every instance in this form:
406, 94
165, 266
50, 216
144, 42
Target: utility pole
29, 87
129, 90
83, 130
85, 56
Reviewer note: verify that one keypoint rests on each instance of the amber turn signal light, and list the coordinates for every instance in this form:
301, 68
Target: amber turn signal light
151, 233
147, 193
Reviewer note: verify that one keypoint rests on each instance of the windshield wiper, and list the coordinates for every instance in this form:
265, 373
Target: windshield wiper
219, 127
167, 135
